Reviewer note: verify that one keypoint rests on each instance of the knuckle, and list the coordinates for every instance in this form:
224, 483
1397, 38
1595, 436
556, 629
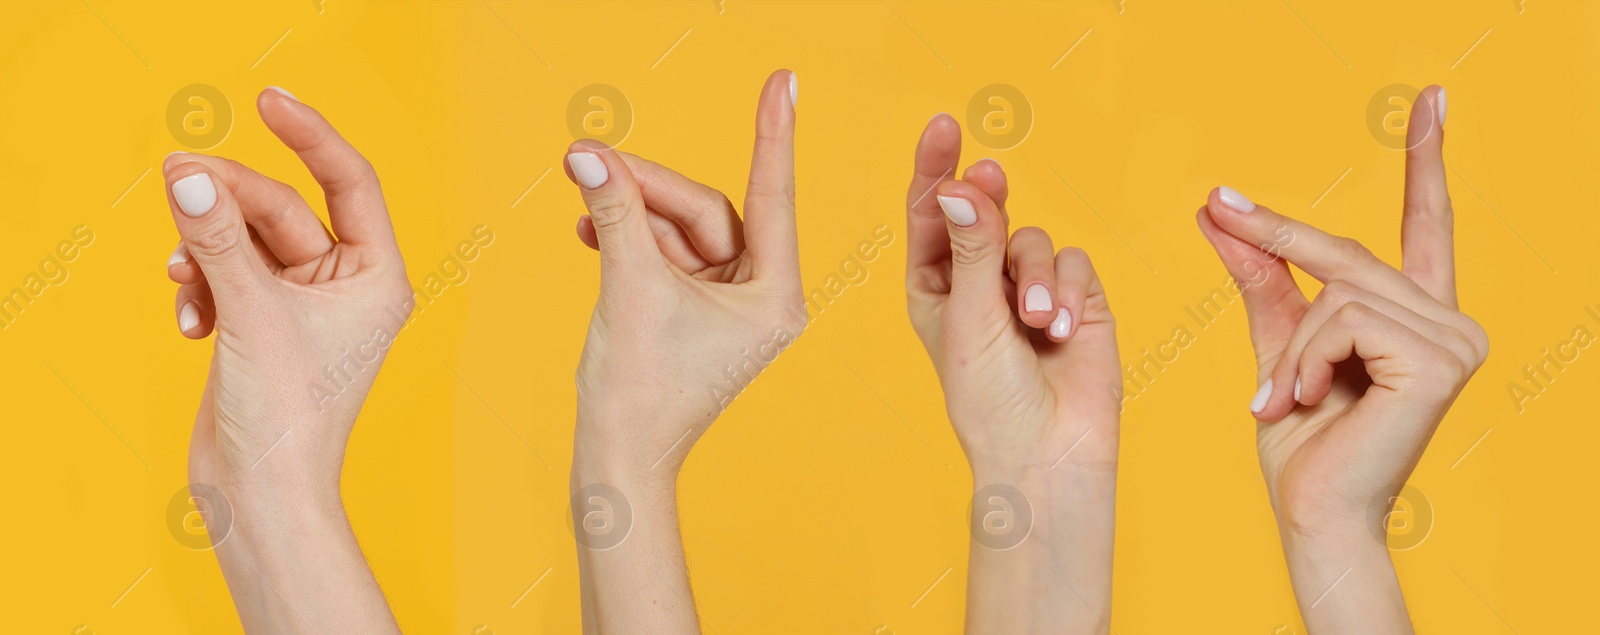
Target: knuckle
969, 250
1074, 257
215, 240
1479, 339
1351, 249
1353, 314
1337, 292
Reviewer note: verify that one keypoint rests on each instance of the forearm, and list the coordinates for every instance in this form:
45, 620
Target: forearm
1344, 582
1056, 579
293, 566
631, 566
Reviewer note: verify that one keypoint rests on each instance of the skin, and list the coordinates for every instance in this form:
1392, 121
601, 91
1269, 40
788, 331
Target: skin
1033, 410
687, 290
287, 300
1380, 355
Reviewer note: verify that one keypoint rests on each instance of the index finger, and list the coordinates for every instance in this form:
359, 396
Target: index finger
1428, 223
769, 225
355, 200
1322, 255
938, 151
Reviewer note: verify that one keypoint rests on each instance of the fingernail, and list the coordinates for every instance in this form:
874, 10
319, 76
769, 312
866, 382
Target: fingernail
589, 169
1037, 299
794, 90
936, 116
959, 210
991, 160
179, 255
188, 317
1441, 105
1062, 324
1259, 402
195, 194
1297, 390
1233, 199
283, 92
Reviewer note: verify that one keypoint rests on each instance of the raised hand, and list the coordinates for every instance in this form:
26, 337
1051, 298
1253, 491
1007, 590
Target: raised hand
693, 303
1025, 348
303, 319
1353, 384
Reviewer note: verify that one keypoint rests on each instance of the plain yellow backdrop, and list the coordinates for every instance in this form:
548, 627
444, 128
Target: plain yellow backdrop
831, 497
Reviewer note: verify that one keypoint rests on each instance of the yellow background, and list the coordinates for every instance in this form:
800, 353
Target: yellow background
810, 507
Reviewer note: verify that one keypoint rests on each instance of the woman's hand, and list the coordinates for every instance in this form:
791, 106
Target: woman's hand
1353, 384
1025, 348
694, 303
303, 319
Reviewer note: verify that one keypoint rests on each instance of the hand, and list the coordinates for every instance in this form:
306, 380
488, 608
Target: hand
303, 320
1025, 348
1354, 383
694, 302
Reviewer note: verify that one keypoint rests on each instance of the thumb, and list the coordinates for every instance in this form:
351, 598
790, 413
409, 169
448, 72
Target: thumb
213, 228
616, 207
977, 255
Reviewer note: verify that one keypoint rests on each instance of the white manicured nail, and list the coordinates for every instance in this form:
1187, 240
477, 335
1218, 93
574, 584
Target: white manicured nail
959, 210
1441, 105
1297, 390
283, 92
195, 194
589, 169
188, 317
179, 255
1062, 324
1259, 402
1037, 299
794, 90
1232, 198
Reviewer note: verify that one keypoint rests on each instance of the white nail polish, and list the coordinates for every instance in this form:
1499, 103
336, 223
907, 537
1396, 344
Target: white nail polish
1062, 325
195, 194
1036, 299
1297, 390
179, 255
794, 90
1441, 105
188, 317
1232, 198
283, 92
1259, 402
589, 169
959, 210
